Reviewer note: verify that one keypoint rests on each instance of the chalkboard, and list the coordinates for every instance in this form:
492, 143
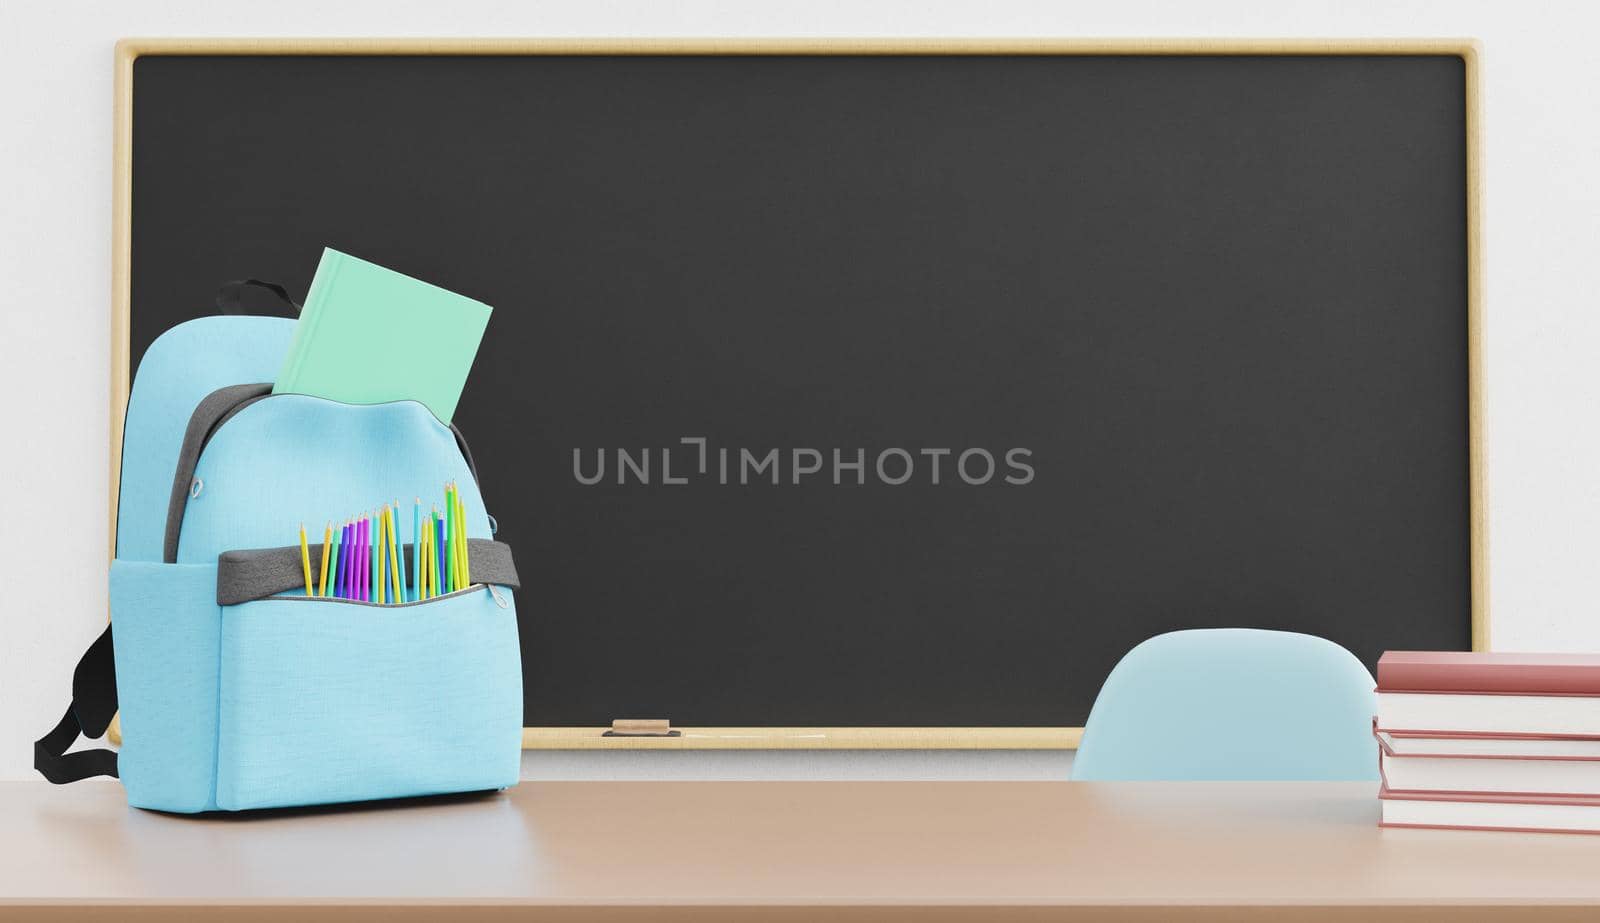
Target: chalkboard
1106, 344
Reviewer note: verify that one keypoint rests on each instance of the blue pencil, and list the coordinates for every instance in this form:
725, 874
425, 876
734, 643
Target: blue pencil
438, 553
346, 546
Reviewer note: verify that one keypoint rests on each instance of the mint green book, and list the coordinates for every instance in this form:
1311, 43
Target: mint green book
370, 335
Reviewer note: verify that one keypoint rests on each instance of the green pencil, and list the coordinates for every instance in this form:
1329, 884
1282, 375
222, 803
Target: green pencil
450, 536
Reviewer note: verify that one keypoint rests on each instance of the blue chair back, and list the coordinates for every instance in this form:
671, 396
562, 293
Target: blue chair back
1232, 704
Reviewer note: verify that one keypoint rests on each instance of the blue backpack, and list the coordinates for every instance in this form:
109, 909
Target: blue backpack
236, 689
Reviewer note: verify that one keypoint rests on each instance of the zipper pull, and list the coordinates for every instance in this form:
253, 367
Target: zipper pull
195, 487
498, 599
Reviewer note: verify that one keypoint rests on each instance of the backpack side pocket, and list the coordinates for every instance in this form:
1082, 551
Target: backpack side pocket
167, 639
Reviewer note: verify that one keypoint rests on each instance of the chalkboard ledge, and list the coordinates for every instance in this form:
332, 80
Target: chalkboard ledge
810, 738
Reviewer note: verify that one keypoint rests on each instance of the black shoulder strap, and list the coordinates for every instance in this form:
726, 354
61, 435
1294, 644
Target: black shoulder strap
94, 702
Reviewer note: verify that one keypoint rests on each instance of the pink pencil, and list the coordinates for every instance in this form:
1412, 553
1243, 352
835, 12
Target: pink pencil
364, 557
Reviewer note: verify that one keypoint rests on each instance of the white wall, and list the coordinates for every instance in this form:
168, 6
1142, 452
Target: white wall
1542, 224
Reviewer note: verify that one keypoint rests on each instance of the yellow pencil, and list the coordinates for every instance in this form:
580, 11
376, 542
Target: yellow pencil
388, 558
327, 540
425, 574
305, 560
461, 539
381, 575
396, 563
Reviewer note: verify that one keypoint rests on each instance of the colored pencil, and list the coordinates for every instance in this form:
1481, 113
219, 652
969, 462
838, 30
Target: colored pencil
400, 550
456, 559
450, 536
388, 555
380, 571
380, 549
416, 549
369, 546
353, 584
338, 560
352, 559
428, 575
397, 549
435, 589
439, 576
463, 562
333, 562
305, 561
454, 525
366, 557
380, 558
444, 546
330, 586
387, 570
343, 562
363, 557
455, 538
327, 540
397, 567
425, 574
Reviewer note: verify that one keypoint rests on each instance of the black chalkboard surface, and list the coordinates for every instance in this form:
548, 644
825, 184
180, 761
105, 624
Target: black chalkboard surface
1106, 345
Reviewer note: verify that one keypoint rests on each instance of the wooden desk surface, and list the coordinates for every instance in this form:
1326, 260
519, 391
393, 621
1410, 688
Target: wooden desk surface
704, 851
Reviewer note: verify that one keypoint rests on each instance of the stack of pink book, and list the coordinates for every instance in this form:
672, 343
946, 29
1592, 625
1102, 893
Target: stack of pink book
1489, 741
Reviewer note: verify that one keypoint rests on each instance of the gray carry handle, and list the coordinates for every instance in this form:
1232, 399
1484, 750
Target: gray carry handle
230, 298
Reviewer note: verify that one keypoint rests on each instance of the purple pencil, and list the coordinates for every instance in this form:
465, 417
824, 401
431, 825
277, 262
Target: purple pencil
345, 551
362, 561
366, 558
355, 559
440, 572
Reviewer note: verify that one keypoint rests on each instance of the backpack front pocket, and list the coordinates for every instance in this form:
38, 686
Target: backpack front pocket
326, 700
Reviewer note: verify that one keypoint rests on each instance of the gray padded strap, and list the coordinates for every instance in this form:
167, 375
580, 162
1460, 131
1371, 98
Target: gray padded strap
211, 411
243, 576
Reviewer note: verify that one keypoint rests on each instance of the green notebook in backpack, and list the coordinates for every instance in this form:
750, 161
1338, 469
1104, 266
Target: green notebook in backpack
370, 335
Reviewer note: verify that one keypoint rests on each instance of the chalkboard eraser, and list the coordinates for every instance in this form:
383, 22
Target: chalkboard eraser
642, 727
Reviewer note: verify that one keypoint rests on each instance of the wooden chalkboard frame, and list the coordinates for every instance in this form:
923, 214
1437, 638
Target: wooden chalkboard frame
129, 50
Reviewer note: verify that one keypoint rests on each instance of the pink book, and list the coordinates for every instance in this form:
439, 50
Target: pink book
1503, 673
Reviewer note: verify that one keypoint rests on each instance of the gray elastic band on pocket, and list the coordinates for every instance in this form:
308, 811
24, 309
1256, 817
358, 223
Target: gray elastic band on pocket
243, 576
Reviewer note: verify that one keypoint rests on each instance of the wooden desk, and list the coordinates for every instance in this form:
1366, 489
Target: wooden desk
767, 850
